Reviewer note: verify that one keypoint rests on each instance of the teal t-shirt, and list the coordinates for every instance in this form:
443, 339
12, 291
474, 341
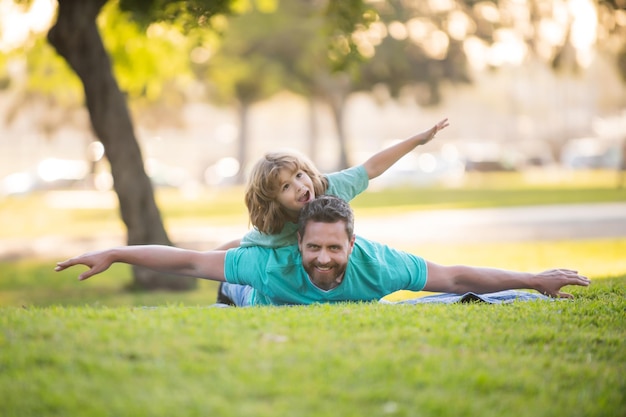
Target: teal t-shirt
374, 270
345, 184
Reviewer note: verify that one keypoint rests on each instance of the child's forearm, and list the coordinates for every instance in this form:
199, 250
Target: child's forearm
384, 159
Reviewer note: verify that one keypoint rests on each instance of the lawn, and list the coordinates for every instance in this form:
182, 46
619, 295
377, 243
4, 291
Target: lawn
91, 348
546, 358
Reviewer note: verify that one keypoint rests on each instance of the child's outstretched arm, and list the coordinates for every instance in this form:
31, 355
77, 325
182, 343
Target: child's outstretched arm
384, 159
208, 265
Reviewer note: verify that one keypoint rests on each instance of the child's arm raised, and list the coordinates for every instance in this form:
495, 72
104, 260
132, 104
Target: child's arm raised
384, 159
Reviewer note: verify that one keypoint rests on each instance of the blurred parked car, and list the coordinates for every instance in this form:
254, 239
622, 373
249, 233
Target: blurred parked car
50, 173
591, 153
57, 174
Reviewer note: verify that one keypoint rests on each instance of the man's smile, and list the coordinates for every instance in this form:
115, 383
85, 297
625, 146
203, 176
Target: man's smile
323, 268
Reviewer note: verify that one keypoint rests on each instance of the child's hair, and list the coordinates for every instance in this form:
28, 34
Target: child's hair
266, 214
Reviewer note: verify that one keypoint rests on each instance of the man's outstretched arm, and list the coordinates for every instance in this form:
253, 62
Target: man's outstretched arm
461, 279
207, 265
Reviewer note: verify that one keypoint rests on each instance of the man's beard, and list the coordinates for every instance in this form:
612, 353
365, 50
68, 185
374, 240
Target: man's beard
327, 279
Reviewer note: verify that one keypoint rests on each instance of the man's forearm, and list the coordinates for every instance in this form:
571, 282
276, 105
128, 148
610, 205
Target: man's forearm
157, 257
461, 279
486, 280
208, 265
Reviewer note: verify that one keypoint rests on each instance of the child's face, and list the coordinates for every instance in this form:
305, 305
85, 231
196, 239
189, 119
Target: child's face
295, 190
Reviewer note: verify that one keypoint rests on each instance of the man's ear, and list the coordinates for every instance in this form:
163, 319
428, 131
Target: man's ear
300, 242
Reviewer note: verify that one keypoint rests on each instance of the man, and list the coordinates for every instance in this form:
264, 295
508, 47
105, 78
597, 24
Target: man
329, 264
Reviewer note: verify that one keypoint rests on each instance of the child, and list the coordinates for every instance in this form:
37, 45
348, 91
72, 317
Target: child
280, 184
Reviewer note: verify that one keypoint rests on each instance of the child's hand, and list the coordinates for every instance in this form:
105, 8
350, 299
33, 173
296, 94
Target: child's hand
430, 133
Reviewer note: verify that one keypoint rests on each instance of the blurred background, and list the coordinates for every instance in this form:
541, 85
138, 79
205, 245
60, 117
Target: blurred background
525, 84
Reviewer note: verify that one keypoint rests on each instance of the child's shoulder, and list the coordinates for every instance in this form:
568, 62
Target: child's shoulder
286, 237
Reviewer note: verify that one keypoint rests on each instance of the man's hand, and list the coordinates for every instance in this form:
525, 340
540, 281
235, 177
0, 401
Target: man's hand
551, 281
96, 261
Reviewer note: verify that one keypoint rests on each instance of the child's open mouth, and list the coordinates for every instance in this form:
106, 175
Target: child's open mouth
305, 197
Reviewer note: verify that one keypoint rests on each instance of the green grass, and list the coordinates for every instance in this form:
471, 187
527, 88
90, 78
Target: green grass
506, 189
562, 358
93, 349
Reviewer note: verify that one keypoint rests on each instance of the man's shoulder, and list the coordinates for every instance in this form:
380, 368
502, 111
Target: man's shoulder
366, 249
361, 241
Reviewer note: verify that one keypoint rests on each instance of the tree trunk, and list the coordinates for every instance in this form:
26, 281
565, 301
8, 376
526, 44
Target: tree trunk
335, 90
76, 38
242, 152
313, 131
622, 166
337, 107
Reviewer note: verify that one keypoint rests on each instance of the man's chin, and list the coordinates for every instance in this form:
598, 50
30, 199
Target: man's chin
321, 276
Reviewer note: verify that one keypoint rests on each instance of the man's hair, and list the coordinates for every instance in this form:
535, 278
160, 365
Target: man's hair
266, 214
327, 209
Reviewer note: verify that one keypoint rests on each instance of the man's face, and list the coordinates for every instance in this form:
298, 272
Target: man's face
325, 249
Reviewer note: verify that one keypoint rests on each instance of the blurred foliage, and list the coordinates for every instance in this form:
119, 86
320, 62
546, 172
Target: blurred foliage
185, 14
342, 19
152, 44
238, 52
139, 57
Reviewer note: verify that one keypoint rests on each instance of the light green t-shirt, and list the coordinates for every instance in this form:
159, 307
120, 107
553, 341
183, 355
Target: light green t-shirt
345, 184
374, 270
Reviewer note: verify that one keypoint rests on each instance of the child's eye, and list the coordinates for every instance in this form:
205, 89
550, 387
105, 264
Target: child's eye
300, 174
285, 187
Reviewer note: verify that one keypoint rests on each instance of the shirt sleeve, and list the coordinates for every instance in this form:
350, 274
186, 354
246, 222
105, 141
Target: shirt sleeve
380, 266
348, 183
245, 266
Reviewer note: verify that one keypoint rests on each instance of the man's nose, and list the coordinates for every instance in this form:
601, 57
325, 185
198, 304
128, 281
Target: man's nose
323, 257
